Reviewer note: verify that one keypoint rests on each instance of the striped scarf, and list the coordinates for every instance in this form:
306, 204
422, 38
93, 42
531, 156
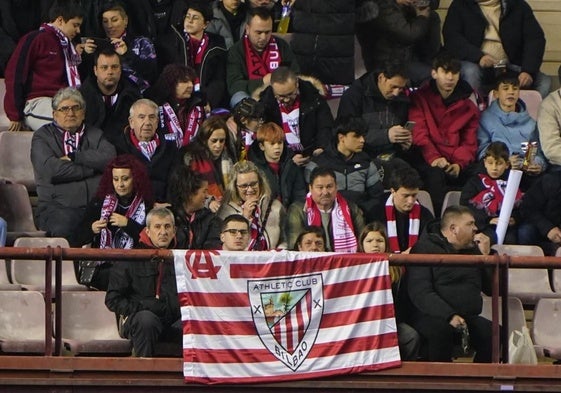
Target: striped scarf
136, 212
414, 225
71, 57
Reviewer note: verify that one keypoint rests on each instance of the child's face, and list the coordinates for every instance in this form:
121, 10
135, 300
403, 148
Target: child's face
495, 167
272, 150
374, 242
507, 94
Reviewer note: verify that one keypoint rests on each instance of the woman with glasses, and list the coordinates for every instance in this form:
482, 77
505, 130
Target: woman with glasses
117, 213
249, 194
191, 45
210, 155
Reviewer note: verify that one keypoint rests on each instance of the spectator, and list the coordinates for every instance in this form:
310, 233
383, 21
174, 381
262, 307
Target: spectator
3, 232
378, 98
541, 213
228, 21
143, 139
405, 217
235, 233
507, 120
408, 30
108, 96
191, 45
325, 207
197, 227
248, 115
138, 53
357, 176
491, 33
446, 122
249, 194
143, 294
252, 59
116, 215
484, 192
209, 155
549, 129
270, 155
310, 239
181, 109
373, 239
448, 298
302, 112
68, 158
34, 75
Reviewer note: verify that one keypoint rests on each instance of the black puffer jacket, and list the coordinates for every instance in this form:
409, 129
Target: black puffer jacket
541, 205
203, 233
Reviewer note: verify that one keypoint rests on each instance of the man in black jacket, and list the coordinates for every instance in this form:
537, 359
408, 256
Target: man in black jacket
143, 294
448, 298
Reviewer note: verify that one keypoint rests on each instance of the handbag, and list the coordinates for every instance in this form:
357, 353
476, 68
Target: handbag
520, 348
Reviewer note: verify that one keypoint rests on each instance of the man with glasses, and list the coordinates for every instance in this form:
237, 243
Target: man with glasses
299, 108
235, 233
68, 158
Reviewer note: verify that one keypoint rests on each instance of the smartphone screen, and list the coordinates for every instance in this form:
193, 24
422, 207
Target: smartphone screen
409, 125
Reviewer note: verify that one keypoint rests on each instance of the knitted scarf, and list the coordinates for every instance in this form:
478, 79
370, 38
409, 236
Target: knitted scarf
146, 148
291, 125
414, 225
260, 64
71, 57
491, 198
136, 212
71, 140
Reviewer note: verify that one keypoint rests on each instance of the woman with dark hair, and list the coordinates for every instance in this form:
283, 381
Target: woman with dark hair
117, 213
211, 156
249, 194
197, 227
189, 44
181, 109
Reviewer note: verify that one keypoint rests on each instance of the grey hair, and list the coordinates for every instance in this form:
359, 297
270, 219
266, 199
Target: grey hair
160, 212
68, 93
143, 101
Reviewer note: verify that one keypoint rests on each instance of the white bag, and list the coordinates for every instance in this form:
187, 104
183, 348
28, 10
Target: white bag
520, 348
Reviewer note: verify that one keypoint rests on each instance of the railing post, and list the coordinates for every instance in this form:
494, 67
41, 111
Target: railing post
58, 302
48, 302
504, 291
495, 312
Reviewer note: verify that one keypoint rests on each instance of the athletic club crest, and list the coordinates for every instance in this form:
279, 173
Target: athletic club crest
287, 313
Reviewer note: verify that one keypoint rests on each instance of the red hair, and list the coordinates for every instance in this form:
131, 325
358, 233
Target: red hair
140, 179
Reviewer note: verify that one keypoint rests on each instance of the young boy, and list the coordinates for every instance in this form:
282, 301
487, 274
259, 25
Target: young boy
483, 193
508, 121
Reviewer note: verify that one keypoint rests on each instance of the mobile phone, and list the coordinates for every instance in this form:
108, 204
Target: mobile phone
99, 42
409, 125
308, 151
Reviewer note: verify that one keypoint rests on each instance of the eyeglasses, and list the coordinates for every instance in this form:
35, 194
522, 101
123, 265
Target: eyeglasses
234, 232
67, 109
288, 96
253, 184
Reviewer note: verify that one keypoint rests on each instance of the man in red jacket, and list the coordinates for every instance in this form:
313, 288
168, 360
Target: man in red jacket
445, 134
44, 61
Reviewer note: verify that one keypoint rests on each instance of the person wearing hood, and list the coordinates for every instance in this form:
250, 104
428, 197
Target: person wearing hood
445, 134
143, 294
447, 298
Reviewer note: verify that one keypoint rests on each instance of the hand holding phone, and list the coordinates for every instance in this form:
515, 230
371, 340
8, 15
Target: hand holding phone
409, 125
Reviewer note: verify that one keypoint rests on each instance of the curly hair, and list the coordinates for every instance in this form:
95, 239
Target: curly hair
183, 184
140, 179
172, 74
239, 168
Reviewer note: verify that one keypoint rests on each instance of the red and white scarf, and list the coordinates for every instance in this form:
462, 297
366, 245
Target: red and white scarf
146, 148
344, 239
258, 240
71, 57
491, 198
71, 141
260, 64
414, 225
291, 125
183, 135
197, 50
135, 212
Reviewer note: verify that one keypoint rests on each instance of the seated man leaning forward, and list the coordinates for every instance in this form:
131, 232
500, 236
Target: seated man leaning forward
235, 233
143, 294
447, 298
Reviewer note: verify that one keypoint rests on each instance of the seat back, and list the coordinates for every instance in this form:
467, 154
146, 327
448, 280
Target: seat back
557, 274
451, 198
547, 319
516, 317
16, 163
4, 121
22, 316
532, 99
424, 199
32, 272
15, 207
86, 317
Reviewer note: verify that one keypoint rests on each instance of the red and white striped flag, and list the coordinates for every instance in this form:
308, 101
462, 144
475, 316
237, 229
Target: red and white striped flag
277, 316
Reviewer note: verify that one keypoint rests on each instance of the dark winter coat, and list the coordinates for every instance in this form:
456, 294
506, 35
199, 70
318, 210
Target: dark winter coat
541, 205
204, 229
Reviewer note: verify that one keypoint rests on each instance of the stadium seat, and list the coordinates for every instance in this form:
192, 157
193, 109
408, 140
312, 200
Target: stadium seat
16, 165
516, 317
4, 121
88, 327
22, 322
532, 99
30, 274
547, 319
451, 198
15, 208
557, 274
527, 284
5, 284
424, 199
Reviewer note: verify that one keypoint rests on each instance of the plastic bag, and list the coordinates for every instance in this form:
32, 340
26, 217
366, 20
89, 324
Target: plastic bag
520, 348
